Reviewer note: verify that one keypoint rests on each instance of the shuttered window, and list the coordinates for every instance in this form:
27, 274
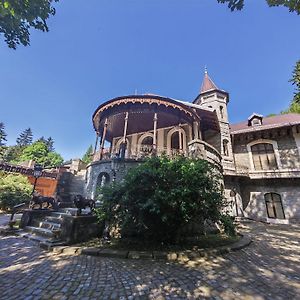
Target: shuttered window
263, 157
274, 206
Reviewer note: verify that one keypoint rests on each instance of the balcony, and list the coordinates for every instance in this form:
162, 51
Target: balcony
199, 149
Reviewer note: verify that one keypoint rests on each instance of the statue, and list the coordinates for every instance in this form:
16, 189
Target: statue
81, 203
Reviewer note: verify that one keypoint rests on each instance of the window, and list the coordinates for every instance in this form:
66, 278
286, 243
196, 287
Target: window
274, 206
263, 157
256, 121
225, 148
222, 112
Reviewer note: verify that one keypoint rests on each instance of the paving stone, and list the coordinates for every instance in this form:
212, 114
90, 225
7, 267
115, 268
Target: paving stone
266, 269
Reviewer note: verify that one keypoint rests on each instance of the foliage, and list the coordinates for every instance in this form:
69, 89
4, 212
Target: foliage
3, 136
48, 142
293, 108
17, 17
292, 5
25, 138
159, 198
296, 81
14, 189
39, 152
87, 157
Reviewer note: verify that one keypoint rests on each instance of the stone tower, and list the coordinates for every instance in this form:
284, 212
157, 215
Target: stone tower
213, 98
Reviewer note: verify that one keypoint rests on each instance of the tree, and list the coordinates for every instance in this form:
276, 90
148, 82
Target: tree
17, 17
296, 81
14, 189
3, 139
39, 153
158, 199
87, 157
25, 138
53, 159
3, 134
292, 5
50, 144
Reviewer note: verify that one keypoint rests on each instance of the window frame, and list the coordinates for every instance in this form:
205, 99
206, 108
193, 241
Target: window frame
272, 194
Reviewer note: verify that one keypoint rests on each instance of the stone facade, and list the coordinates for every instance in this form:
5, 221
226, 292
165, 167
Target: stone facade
260, 157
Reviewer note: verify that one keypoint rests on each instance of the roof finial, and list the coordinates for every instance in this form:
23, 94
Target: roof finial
205, 69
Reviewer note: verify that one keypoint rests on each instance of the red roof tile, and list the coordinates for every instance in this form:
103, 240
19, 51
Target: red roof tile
267, 123
207, 84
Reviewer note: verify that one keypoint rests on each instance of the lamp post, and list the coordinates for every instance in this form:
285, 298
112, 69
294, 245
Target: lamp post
37, 172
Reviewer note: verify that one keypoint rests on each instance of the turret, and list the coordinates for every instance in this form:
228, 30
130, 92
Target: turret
212, 97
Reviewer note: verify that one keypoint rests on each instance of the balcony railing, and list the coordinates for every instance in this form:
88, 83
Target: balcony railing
144, 151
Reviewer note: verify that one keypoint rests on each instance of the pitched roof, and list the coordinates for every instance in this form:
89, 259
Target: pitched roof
207, 84
267, 123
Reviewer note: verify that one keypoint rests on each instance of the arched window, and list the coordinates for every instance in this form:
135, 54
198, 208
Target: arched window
263, 156
175, 140
225, 148
274, 206
147, 145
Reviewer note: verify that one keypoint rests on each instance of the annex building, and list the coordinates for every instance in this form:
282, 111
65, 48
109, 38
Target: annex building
259, 157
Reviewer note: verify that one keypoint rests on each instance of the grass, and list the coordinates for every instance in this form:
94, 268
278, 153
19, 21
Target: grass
202, 242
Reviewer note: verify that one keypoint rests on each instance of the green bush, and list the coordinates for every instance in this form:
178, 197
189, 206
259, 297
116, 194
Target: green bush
14, 189
159, 198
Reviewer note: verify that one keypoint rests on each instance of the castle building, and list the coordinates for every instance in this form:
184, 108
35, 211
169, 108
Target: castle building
259, 158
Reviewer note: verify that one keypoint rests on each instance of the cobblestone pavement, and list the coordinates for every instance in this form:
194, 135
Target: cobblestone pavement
268, 269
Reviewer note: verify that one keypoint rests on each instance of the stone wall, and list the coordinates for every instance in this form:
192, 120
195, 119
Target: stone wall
99, 168
287, 149
252, 192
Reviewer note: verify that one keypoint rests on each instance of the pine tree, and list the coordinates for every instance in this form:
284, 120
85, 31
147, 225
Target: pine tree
42, 139
87, 157
296, 81
50, 143
3, 134
25, 138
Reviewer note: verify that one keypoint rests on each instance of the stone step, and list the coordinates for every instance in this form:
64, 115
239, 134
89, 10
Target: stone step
73, 211
50, 225
42, 232
40, 239
54, 219
59, 214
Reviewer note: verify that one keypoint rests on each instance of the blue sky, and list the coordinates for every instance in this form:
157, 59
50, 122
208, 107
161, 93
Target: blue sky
98, 49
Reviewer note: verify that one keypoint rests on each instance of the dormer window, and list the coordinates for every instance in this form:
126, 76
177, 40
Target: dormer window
255, 120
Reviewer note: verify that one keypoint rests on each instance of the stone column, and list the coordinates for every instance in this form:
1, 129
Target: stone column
180, 139
155, 133
103, 138
196, 130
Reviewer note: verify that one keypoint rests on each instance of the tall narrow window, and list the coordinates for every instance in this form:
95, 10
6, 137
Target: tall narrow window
263, 157
225, 148
274, 206
222, 112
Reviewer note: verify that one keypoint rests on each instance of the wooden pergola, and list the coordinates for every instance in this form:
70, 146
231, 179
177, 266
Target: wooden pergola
127, 115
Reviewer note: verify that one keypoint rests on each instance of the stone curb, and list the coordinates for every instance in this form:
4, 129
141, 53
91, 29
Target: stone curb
182, 256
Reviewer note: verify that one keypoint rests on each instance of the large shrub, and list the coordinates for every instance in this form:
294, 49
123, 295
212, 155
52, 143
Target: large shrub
157, 199
14, 189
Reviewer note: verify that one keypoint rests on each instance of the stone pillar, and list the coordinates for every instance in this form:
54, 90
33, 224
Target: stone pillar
103, 138
155, 133
196, 130
180, 139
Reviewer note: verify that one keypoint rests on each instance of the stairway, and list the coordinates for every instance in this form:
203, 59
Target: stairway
77, 183
47, 230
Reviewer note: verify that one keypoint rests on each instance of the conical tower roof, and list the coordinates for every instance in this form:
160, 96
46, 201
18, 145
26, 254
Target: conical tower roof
207, 84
